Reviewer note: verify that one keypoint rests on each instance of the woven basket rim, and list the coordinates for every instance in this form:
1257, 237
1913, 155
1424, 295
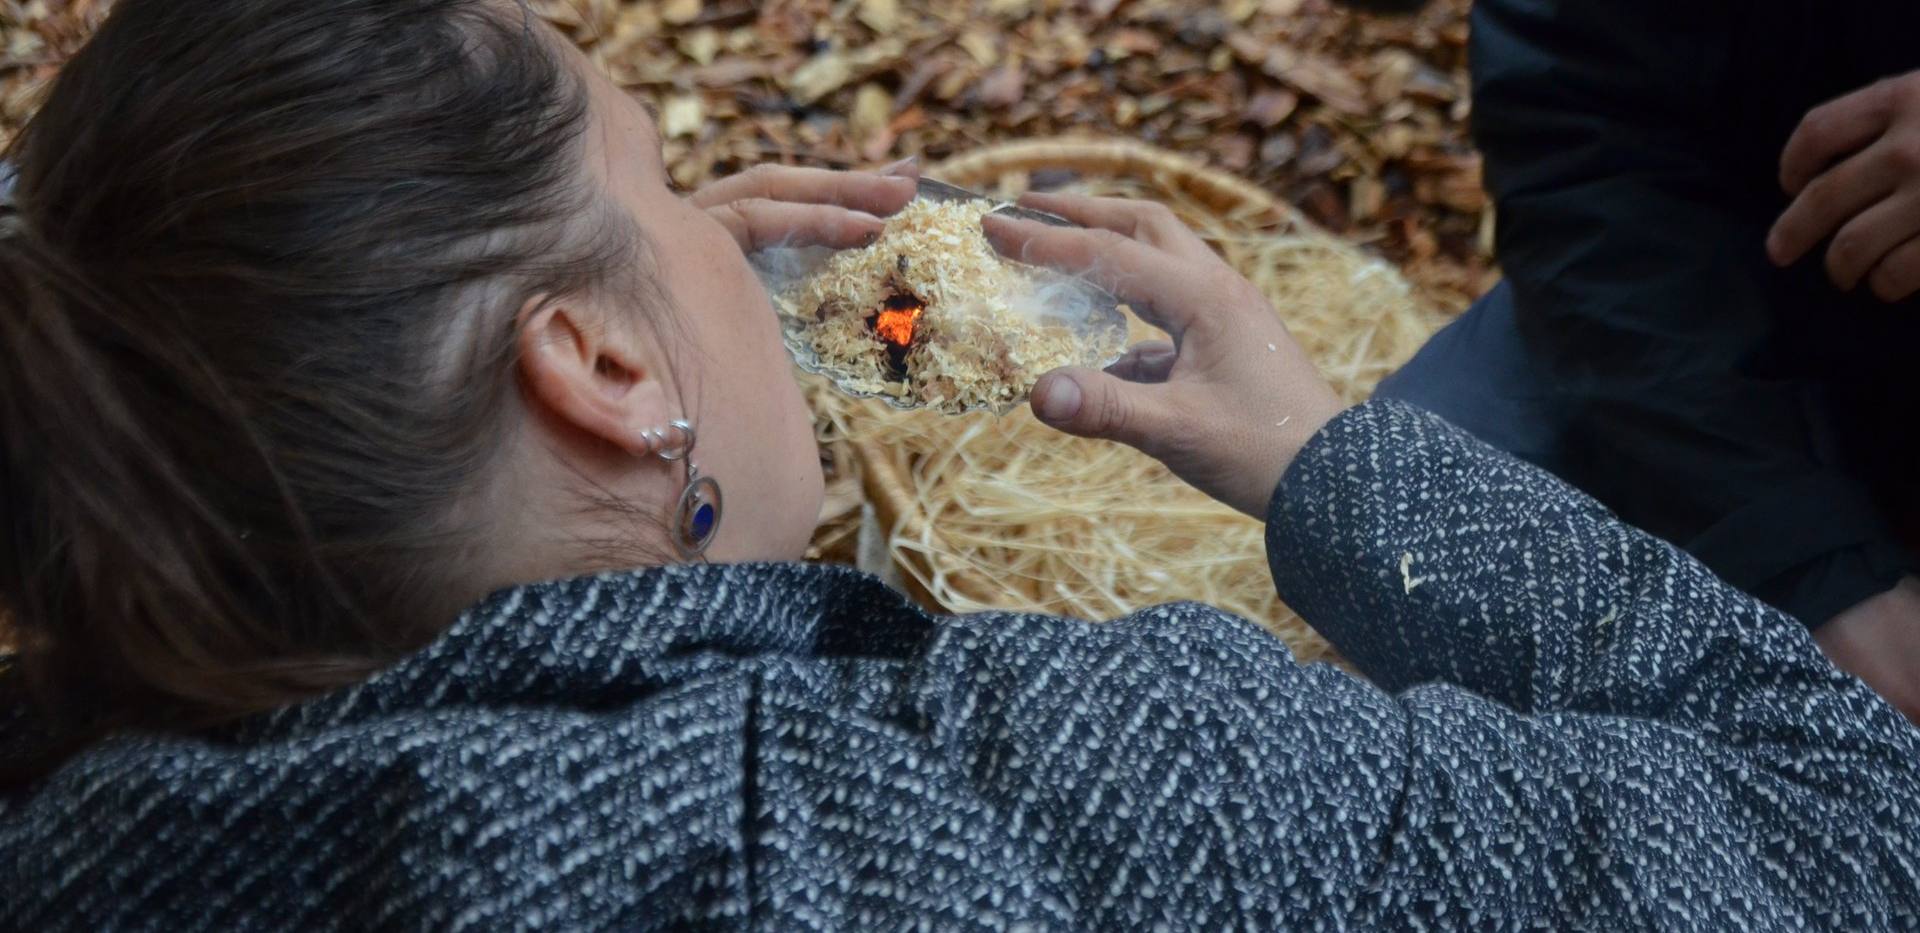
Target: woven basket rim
1226, 194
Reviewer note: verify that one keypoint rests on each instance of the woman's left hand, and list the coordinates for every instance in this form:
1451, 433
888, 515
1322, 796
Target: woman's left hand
780, 205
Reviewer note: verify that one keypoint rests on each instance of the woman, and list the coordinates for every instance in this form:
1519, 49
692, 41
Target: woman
324, 321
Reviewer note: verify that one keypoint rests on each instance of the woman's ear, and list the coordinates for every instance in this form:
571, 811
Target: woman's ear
590, 376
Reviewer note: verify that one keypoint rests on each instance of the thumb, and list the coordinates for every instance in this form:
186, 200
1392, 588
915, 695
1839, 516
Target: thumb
1091, 403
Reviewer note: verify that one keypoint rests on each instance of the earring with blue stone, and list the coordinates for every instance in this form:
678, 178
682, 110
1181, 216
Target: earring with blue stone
697, 518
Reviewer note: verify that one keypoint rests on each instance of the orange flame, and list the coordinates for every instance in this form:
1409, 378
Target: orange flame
895, 324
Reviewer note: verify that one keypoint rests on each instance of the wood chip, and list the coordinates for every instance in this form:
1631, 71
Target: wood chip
1309, 72
729, 72
679, 12
1269, 109
1002, 87
980, 44
821, 76
701, 45
1360, 119
683, 115
872, 110
881, 16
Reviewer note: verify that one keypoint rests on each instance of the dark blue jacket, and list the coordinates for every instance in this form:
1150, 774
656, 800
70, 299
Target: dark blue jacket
1758, 417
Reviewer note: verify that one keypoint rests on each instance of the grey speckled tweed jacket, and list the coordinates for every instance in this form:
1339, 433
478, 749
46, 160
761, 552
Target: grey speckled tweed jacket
1570, 725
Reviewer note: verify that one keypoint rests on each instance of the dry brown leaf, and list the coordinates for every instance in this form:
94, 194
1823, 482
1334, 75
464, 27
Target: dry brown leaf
682, 115
922, 75
679, 12
1429, 85
1239, 11
1366, 198
1123, 42
872, 110
833, 69
632, 27
1278, 149
1459, 189
820, 76
1309, 72
1393, 68
23, 45
728, 72
952, 82
981, 44
881, 16
911, 118
1002, 87
1235, 151
1360, 119
701, 45
1269, 109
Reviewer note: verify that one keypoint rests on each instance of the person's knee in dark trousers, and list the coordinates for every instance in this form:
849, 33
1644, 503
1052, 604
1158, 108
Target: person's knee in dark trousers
1477, 373
1647, 348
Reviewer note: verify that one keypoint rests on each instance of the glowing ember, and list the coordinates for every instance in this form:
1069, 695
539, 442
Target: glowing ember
895, 321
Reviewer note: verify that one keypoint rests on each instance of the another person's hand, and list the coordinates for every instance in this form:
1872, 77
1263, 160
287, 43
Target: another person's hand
779, 205
1853, 169
1228, 403
1878, 641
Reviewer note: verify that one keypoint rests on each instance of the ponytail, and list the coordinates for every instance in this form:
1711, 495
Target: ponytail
249, 377
141, 590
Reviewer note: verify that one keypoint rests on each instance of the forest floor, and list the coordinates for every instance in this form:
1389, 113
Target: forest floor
1360, 121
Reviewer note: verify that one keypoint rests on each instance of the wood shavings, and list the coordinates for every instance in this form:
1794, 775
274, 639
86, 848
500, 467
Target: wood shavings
1407, 578
957, 314
1006, 513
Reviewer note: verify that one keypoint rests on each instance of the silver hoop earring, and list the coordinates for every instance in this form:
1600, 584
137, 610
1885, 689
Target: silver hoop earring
696, 520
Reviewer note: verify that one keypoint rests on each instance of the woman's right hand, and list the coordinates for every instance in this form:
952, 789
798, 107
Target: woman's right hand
1228, 403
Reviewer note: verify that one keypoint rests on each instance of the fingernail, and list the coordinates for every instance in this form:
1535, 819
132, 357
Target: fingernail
902, 165
1059, 399
863, 215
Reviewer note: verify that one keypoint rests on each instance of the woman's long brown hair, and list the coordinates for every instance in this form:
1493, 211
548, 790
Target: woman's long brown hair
257, 286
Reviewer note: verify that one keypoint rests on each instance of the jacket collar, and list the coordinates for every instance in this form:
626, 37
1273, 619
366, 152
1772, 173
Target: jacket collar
619, 637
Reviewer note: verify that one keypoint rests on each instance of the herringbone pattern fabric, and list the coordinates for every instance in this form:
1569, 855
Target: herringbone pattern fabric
1584, 730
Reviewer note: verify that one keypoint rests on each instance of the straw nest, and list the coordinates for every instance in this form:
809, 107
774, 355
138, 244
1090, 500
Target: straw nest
979, 512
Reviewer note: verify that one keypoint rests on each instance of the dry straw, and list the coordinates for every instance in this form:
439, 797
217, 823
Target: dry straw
982, 512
